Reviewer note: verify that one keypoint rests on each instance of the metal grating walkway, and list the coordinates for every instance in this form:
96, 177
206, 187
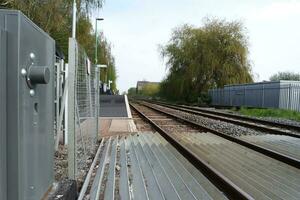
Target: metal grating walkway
145, 166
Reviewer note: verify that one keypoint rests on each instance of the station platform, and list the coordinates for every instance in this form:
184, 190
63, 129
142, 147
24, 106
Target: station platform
115, 116
135, 162
114, 106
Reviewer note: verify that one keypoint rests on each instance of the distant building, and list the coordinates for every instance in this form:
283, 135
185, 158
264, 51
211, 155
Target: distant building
141, 84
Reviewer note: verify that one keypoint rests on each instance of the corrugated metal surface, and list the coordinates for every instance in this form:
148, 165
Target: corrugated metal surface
279, 94
280, 143
145, 166
3, 115
290, 95
260, 176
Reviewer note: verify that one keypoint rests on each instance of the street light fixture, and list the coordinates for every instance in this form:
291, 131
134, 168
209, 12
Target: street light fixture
96, 38
74, 19
109, 83
99, 68
102, 66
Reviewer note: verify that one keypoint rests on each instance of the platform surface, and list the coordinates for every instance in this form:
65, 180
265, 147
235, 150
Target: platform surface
109, 127
113, 106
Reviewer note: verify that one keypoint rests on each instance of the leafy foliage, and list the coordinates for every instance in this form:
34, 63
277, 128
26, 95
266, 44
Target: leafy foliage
271, 112
204, 57
55, 18
147, 90
105, 57
131, 91
150, 90
285, 76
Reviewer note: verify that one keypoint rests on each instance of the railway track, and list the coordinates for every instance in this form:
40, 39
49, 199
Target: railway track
254, 123
277, 140
242, 170
282, 148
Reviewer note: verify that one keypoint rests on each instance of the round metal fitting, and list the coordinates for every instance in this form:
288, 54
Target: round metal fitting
32, 92
39, 74
32, 56
23, 72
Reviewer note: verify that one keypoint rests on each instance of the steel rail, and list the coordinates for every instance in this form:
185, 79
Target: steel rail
226, 117
268, 152
89, 174
231, 190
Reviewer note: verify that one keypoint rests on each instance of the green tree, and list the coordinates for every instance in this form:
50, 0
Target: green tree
55, 18
131, 91
105, 57
291, 76
199, 58
150, 90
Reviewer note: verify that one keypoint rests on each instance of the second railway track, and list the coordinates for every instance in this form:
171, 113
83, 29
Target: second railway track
250, 122
280, 141
245, 171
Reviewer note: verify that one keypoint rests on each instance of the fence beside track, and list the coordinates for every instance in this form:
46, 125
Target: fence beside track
274, 94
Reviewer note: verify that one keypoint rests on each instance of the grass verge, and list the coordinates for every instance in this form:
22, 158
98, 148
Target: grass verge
269, 112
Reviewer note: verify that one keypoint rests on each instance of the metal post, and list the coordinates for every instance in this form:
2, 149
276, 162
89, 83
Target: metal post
96, 39
74, 20
97, 79
71, 110
290, 94
3, 129
263, 96
58, 69
97, 102
65, 102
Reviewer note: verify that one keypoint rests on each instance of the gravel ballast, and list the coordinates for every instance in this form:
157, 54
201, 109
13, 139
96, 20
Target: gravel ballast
224, 127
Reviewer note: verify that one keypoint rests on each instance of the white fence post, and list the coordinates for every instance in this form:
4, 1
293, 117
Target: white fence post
71, 109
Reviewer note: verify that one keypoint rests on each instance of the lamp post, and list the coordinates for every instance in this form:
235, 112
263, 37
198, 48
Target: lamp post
98, 68
98, 78
74, 19
96, 38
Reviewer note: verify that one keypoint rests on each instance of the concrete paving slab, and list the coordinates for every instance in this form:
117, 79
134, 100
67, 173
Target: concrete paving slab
118, 126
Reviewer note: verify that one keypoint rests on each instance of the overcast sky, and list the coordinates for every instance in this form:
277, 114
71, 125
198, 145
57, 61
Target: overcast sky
136, 28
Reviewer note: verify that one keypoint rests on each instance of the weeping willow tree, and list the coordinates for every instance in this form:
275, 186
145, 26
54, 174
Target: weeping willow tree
199, 58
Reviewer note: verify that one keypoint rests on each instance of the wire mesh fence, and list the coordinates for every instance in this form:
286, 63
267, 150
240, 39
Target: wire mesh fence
85, 111
82, 109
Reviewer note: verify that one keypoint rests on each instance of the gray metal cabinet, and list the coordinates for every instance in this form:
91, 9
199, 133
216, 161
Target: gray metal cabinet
3, 177
29, 115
